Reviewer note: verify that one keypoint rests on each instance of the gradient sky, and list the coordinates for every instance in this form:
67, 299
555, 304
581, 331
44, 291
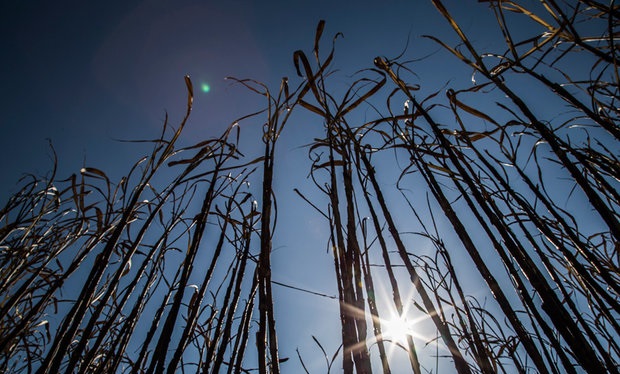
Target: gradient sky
83, 74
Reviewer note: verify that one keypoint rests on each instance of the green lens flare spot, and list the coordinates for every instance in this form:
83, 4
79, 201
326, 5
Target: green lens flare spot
205, 87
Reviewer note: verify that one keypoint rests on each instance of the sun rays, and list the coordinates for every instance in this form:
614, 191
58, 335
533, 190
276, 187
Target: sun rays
400, 330
397, 329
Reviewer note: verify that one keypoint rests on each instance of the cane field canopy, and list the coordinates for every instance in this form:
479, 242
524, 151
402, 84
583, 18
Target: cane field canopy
317, 186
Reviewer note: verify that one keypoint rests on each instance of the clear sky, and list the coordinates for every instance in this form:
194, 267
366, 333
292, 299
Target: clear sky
83, 74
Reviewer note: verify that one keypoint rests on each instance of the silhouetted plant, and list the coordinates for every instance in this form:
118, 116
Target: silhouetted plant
169, 268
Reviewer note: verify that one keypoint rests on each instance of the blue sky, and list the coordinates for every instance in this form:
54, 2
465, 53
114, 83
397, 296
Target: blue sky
83, 74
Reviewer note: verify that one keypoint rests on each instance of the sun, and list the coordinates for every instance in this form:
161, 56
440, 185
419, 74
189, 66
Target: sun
397, 329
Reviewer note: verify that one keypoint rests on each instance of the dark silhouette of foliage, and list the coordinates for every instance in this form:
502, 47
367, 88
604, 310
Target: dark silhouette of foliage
169, 269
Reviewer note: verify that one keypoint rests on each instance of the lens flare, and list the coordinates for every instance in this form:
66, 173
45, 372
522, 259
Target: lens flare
397, 329
205, 87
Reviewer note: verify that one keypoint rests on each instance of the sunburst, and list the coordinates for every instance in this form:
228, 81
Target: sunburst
397, 329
